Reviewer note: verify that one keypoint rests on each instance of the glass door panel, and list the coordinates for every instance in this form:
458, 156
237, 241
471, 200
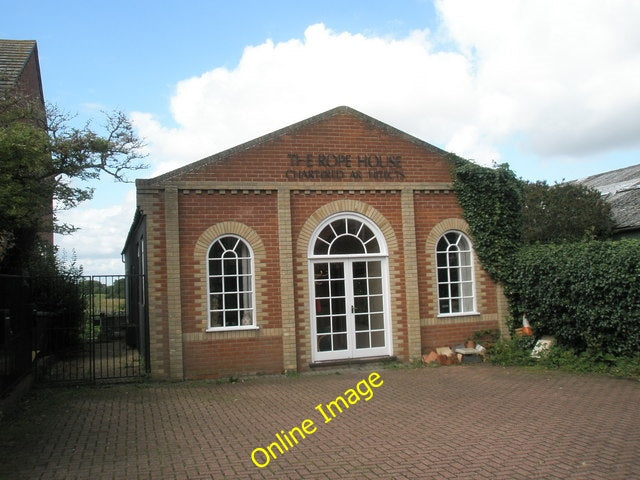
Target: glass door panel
330, 307
349, 309
368, 301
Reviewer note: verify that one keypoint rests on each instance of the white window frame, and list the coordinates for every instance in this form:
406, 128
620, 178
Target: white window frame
382, 256
463, 263
377, 234
248, 291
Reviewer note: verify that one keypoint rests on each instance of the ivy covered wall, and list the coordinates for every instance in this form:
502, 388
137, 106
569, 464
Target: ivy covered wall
585, 292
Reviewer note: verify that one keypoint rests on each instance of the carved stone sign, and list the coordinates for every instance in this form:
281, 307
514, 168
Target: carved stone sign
339, 166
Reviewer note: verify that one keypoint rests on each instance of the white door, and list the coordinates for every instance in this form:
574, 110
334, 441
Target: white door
349, 304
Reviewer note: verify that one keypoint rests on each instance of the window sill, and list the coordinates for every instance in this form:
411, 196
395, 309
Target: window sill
232, 329
454, 315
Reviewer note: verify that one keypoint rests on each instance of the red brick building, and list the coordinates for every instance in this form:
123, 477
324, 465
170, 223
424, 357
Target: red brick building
335, 239
20, 78
20, 69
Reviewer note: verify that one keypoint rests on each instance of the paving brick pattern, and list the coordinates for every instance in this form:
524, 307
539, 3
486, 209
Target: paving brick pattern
464, 422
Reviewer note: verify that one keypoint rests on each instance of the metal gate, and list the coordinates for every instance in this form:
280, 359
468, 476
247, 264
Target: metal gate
100, 334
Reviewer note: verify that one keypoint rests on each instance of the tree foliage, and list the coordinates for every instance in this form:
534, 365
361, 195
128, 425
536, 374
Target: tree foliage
543, 243
45, 163
53, 288
505, 213
118, 289
566, 212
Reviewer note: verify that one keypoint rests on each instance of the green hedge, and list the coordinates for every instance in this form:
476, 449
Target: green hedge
585, 294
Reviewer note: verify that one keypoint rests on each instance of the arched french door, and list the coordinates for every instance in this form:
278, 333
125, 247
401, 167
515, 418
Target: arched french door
349, 288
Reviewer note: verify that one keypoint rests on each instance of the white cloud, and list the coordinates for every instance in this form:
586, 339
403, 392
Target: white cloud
565, 74
558, 78
101, 235
404, 82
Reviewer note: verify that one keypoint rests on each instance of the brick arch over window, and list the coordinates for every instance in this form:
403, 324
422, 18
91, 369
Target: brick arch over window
302, 245
346, 206
200, 256
443, 227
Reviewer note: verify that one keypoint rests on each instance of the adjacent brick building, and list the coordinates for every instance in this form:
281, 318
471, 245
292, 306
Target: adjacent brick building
20, 80
335, 239
20, 69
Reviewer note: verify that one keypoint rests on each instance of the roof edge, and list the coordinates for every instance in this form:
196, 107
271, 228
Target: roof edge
602, 174
33, 51
138, 218
284, 131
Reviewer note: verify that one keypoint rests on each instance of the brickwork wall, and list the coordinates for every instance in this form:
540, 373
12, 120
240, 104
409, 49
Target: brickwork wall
152, 205
411, 284
29, 84
29, 81
232, 356
252, 215
252, 193
437, 213
174, 281
344, 134
310, 209
258, 213
287, 284
453, 332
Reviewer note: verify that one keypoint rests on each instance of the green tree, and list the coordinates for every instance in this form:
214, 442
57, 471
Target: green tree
45, 163
56, 290
118, 289
505, 213
94, 287
542, 243
565, 212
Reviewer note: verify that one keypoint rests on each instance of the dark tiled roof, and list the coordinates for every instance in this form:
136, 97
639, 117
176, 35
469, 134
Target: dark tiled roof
621, 188
14, 55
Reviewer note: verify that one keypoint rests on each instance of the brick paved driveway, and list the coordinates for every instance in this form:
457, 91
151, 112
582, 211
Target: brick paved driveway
464, 422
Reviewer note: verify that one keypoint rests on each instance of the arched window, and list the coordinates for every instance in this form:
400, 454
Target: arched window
348, 280
346, 236
231, 284
455, 274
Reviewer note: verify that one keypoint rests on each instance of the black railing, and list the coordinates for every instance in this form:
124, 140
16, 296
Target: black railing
16, 334
92, 328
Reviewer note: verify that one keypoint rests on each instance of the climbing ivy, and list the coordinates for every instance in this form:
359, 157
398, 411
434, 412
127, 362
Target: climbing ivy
491, 200
585, 293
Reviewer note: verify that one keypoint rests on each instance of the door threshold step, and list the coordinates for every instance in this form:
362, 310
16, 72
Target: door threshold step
352, 361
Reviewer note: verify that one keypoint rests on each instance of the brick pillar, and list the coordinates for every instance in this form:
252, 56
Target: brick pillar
150, 202
503, 311
174, 303
411, 274
287, 300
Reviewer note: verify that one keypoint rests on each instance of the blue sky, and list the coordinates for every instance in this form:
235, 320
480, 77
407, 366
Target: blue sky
131, 54
549, 87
